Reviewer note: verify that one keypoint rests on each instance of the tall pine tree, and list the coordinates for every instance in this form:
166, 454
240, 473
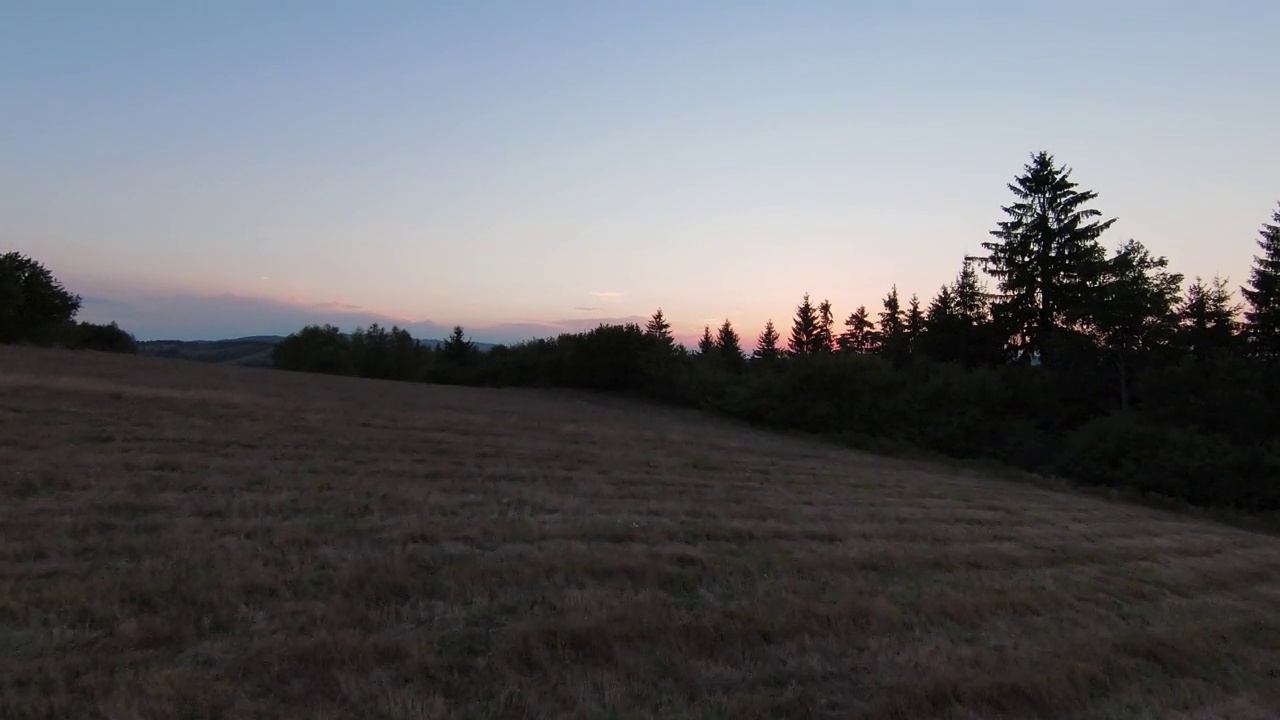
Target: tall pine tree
914, 324
893, 328
971, 299
824, 340
1262, 316
1047, 257
805, 328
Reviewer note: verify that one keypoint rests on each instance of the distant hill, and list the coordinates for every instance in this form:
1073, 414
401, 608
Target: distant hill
253, 351
249, 351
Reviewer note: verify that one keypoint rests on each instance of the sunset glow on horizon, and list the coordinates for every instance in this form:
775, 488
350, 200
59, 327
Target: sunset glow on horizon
229, 169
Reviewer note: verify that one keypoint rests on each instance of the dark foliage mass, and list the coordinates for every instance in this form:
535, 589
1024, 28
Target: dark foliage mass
1088, 363
36, 309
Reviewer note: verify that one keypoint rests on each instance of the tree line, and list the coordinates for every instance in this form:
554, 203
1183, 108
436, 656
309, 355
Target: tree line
37, 309
1048, 353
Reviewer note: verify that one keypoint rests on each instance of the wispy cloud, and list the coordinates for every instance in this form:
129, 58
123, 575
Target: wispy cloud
606, 296
340, 306
588, 309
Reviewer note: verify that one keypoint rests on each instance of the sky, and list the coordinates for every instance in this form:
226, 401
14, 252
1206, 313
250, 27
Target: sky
207, 170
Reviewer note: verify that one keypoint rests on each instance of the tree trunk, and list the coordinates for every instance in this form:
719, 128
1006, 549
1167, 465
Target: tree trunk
1124, 382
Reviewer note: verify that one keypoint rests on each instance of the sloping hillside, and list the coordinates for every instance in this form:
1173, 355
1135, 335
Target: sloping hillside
204, 541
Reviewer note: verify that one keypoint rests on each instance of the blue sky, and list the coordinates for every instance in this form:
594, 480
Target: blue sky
205, 170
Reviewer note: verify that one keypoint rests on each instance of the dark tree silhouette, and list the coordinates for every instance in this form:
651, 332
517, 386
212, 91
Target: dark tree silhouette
824, 340
1135, 310
1262, 316
893, 329
457, 349
1207, 319
767, 347
971, 297
729, 346
104, 338
707, 343
33, 304
859, 334
805, 329
914, 324
1047, 259
942, 307
659, 327
317, 349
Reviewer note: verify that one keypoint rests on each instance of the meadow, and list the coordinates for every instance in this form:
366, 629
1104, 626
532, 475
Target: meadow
181, 540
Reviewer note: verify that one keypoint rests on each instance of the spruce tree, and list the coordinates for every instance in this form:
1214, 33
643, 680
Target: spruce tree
957, 324
804, 330
940, 321
707, 343
1207, 319
914, 323
457, 348
767, 347
892, 320
970, 294
893, 328
942, 306
824, 340
729, 345
859, 335
1047, 257
1262, 316
659, 327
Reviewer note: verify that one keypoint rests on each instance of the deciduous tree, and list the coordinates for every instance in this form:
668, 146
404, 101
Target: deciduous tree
33, 304
1135, 310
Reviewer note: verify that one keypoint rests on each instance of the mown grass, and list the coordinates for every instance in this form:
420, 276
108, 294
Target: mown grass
198, 541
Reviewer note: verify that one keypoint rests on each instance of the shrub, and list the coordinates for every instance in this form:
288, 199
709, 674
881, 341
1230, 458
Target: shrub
1124, 451
103, 338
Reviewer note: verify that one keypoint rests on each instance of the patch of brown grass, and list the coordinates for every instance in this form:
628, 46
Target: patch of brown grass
183, 540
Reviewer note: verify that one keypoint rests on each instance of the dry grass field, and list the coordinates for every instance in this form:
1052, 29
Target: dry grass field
192, 541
